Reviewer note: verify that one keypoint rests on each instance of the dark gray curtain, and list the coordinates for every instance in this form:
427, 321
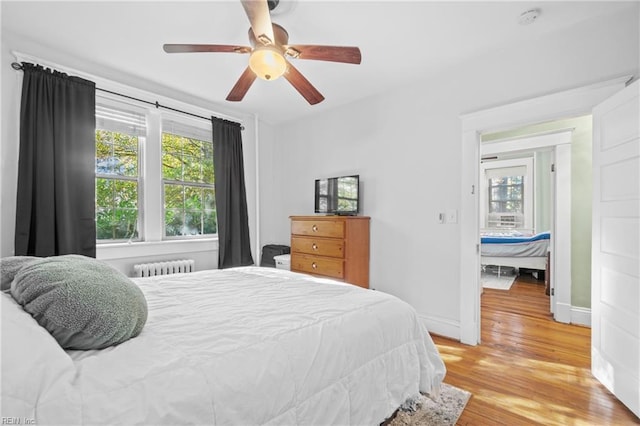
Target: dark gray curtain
231, 197
55, 212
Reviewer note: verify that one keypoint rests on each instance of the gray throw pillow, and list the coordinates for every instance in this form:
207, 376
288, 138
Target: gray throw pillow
82, 302
9, 267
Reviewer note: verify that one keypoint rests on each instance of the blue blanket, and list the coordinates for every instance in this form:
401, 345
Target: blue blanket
514, 239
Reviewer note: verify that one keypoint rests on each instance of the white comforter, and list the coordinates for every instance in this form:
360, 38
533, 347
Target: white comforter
530, 249
253, 346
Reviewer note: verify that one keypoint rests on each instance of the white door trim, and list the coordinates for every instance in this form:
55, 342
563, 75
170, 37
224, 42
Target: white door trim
565, 104
528, 143
561, 236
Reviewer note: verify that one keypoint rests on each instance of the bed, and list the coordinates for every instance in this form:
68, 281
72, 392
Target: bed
246, 345
515, 250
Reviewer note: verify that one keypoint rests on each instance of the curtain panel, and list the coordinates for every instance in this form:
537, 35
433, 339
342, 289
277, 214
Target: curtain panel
55, 211
231, 198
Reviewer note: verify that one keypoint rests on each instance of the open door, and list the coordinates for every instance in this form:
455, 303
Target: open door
615, 273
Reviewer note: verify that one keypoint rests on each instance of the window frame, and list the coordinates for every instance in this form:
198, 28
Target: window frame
194, 127
150, 222
528, 183
141, 138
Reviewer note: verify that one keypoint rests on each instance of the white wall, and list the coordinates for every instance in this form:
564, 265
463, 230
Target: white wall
9, 144
123, 257
406, 146
270, 194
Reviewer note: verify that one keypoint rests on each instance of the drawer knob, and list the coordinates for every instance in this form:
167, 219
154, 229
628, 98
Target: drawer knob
314, 266
314, 246
314, 228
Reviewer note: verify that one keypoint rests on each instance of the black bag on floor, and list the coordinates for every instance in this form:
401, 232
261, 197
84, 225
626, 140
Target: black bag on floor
269, 251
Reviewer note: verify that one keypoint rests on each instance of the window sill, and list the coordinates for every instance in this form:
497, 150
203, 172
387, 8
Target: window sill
110, 251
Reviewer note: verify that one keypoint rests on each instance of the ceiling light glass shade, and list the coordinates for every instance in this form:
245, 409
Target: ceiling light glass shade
267, 62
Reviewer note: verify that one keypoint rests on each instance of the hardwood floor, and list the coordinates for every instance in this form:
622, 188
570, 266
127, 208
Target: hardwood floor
529, 369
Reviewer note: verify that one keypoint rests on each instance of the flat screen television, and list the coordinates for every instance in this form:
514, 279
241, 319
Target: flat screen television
338, 195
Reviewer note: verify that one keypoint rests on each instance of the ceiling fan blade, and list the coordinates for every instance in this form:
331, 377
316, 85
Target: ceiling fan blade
346, 54
302, 85
242, 86
192, 48
258, 13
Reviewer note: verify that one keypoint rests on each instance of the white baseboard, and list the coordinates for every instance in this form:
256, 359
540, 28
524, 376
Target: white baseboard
451, 329
581, 316
442, 327
563, 313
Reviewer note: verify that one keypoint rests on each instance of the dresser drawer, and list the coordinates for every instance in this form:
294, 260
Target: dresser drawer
319, 228
318, 246
326, 266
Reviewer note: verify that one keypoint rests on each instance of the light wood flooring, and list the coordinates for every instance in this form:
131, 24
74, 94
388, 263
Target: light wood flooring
529, 369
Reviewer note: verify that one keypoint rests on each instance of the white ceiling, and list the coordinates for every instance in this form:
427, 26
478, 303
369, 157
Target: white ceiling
401, 42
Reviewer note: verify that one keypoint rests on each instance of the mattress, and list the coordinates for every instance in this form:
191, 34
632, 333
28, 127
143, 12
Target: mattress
248, 346
510, 245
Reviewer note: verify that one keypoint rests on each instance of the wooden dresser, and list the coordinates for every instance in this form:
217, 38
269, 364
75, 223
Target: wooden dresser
331, 246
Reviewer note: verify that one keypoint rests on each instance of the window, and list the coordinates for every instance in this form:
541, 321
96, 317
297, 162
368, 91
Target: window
507, 199
506, 194
506, 202
154, 174
188, 181
119, 135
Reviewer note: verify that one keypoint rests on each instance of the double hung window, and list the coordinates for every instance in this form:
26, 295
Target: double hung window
119, 135
507, 200
506, 195
154, 175
187, 173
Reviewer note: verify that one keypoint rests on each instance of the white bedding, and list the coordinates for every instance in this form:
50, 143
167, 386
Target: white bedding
249, 346
529, 249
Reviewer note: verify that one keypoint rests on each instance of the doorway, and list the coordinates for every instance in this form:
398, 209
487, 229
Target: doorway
571, 103
545, 152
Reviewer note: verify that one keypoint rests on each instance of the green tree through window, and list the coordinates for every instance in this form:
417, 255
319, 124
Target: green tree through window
188, 180
506, 194
116, 185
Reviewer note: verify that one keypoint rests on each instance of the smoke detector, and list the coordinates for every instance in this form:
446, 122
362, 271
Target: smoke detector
529, 16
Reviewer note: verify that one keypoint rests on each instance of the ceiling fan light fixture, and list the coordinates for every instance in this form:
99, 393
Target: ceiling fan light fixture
267, 62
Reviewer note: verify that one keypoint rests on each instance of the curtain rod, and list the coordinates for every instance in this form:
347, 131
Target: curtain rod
18, 67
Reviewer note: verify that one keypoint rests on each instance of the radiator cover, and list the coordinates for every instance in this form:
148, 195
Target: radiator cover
179, 266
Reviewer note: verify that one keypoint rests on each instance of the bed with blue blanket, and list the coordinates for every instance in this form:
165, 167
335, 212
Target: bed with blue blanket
515, 249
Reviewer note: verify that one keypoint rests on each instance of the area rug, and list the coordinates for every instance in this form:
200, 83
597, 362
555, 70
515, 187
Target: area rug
445, 411
502, 282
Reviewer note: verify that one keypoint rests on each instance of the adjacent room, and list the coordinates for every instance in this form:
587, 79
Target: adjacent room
320, 212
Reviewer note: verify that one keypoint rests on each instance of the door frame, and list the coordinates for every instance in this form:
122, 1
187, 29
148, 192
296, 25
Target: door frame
570, 103
559, 143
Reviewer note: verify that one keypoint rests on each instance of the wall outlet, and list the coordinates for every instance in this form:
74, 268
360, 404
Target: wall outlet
441, 217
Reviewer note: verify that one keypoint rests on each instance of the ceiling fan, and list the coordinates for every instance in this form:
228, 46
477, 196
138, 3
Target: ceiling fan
269, 49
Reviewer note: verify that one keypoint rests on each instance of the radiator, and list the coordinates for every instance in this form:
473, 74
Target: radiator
164, 268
